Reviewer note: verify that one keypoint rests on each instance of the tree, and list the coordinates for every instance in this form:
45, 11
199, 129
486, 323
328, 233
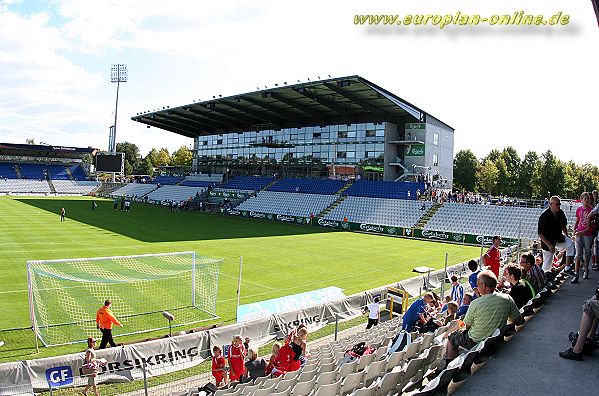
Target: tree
465, 165
512, 163
527, 182
492, 156
153, 156
551, 180
181, 157
29, 141
146, 167
163, 158
504, 178
131, 153
486, 177
128, 168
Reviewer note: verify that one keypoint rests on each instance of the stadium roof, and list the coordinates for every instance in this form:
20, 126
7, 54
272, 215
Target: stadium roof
340, 100
41, 150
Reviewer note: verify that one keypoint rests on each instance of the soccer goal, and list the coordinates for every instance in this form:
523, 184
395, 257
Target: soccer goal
64, 295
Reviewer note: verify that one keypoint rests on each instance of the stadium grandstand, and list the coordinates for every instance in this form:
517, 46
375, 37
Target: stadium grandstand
43, 169
345, 126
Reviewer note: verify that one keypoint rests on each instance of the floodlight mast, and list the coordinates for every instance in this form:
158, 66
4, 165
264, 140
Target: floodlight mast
118, 74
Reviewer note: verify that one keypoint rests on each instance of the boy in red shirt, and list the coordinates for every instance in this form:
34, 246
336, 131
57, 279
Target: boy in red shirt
236, 358
218, 366
493, 256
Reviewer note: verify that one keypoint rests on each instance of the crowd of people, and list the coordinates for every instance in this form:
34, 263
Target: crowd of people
243, 364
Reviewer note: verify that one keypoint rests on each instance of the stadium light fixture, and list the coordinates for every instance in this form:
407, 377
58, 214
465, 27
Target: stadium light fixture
118, 74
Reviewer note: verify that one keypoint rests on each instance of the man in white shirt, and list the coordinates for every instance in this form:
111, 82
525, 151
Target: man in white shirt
374, 313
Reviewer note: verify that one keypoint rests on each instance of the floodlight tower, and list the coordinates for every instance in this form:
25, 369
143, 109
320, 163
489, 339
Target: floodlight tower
118, 74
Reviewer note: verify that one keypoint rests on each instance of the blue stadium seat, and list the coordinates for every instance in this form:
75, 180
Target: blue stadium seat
307, 186
384, 189
248, 183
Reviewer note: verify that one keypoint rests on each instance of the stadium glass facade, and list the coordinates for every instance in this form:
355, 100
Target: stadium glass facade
306, 151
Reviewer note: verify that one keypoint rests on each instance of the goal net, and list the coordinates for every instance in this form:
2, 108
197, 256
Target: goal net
64, 295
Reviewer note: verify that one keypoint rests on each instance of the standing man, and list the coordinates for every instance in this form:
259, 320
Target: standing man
104, 320
374, 313
62, 214
493, 256
553, 232
116, 203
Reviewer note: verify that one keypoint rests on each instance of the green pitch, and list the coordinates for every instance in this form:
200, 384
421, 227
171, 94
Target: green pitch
278, 259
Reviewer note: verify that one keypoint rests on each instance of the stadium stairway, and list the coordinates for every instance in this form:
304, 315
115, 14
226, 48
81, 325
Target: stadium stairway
51, 185
428, 215
69, 173
348, 185
332, 206
18, 171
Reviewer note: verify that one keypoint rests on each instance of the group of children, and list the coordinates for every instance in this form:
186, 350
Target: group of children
243, 365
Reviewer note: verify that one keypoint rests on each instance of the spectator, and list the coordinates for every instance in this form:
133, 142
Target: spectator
413, 312
519, 290
452, 310
553, 232
584, 237
588, 327
492, 258
472, 279
254, 368
282, 363
272, 362
236, 358
593, 220
218, 366
468, 297
92, 364
485, 314
374, 313
298, 343
532, 272
457, 290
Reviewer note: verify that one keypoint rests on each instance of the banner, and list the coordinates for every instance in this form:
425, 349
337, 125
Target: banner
415, 150
445, 236
125, 364
414, 126
230, 194
293, 302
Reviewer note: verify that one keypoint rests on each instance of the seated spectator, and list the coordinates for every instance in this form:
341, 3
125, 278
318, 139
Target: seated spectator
282, 363
254, 368
413, 312
584, 343
452, 310
276, 347
519, 290
532, 272
464, 307
485, 314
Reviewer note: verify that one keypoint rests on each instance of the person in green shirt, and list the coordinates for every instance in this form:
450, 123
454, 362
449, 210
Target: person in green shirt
485, 314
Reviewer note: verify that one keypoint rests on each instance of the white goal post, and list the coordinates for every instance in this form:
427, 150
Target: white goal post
64, 295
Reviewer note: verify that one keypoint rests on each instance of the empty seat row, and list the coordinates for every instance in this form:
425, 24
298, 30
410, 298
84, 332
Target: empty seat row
292, 204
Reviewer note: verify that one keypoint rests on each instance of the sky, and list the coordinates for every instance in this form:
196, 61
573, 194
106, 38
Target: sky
531, 87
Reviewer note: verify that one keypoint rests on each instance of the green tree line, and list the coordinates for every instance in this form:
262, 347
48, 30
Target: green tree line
136, 164
534, 176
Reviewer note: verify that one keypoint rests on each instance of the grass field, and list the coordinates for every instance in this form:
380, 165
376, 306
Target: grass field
278, 259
